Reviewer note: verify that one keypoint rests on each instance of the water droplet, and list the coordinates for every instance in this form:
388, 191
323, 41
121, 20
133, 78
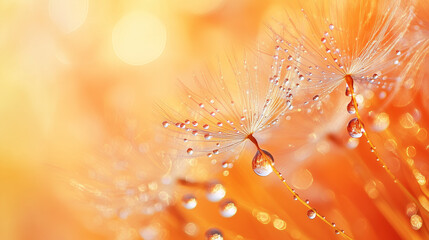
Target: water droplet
331, 26
375, 76
189, 201
323, 40
165, 124
261, 163
227, 164
214, 234
351, 107
311, 214
207, 136
398, 52
215, 191
355, 128
206, 126
348, 92
316, 97
190, 151
227, 208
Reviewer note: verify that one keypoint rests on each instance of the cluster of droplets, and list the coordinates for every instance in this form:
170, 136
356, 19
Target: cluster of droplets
215, 192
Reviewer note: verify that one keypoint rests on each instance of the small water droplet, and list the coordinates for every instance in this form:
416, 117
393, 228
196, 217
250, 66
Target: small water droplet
316, 97
227, 208
165, 124
331, 26
375, 76
189, 201
190, 151
311, 214
323, 40
213, 234
398, 52
215, 191
351, 107
261, 163
355, 128
348, 92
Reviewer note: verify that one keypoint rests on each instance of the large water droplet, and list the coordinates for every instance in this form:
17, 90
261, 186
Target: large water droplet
215, 191
351, 107
214, 234
261, 163
311, 214
227, 208
355, 128
189, 201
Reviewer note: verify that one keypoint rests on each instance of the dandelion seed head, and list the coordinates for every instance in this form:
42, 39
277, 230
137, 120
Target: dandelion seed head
224, 113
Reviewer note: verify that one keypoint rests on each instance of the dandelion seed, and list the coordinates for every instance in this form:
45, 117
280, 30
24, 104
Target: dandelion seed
234, 111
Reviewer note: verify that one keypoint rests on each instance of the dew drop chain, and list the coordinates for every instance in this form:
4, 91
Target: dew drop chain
349, 81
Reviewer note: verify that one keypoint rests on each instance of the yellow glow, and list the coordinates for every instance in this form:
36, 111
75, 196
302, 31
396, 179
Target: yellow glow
69, 15
416, 222
263, 217
139, 38
200, 6
279, 224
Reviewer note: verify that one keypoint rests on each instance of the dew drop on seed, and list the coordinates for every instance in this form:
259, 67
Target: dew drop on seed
316, 97
215, 191
190, 151
189, 201
261, 163
355, 128
351, 107
311, 214
398, 52
213, 234
331, 26
227, 208
348, 93
375, 76
323, 40
165, 124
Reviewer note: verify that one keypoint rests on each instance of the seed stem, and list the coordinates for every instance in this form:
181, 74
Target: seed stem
349, 81
295, 195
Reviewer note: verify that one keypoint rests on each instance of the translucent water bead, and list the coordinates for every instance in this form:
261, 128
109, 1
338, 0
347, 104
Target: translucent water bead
189, 201
214, 234
227, 208
215, 191
355, 128
261, 163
